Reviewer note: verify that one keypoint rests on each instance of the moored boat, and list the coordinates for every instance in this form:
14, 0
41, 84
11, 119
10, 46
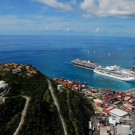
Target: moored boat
85, 64
115, 72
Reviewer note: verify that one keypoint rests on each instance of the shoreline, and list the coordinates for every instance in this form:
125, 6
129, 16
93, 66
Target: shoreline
130, 91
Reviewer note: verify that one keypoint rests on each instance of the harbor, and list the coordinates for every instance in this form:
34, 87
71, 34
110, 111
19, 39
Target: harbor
115, 72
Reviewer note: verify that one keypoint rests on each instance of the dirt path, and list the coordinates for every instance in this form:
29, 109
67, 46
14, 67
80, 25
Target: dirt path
57, 106
22, 115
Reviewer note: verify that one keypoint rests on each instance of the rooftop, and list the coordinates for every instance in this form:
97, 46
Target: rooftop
98, 100
123, 130
118, 112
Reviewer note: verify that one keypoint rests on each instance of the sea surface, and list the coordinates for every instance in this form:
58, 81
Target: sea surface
49, 54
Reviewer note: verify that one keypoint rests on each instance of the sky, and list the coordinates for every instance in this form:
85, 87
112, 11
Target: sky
67, 17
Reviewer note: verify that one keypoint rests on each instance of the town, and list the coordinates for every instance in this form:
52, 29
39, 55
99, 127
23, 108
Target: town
114, 111
19, 68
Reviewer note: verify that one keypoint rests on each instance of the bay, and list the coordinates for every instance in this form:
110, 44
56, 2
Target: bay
49, 54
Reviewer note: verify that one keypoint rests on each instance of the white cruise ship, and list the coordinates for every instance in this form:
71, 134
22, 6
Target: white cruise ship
115, 72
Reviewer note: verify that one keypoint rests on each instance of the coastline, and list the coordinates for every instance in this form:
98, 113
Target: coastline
130, 91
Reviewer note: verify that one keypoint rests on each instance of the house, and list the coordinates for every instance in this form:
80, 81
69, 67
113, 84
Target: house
106, 130
123, 130
118, 113
107, 110
98, 104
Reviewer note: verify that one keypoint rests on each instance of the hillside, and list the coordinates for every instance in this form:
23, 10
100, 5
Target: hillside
42, 117
76, 110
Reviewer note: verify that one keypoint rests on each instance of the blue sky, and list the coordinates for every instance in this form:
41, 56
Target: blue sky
71, 17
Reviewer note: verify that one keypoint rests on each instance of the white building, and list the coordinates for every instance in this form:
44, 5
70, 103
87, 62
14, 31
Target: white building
118, 113
112, 121
124, 130
3, 84
59, 87
97, 101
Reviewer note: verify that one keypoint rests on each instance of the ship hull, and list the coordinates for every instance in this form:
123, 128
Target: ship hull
85, 67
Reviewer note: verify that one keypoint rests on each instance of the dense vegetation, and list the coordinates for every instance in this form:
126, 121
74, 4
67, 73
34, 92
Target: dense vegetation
42, 117
76, 110
10, 115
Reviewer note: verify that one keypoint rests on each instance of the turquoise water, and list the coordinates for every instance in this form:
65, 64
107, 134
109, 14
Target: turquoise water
49, 54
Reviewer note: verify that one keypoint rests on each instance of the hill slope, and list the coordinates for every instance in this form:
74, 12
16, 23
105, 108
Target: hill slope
42, 117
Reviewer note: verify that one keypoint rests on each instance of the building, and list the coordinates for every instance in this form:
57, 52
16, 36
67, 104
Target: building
118, 113
98, 104
106, 130
123, 130
59, 87
112, 121
107, 110
98, 101
3, 84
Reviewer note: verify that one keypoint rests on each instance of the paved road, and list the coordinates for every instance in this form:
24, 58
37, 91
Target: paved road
23, 115
57, 106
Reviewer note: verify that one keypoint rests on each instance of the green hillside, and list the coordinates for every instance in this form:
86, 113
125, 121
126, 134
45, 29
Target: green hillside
42, 117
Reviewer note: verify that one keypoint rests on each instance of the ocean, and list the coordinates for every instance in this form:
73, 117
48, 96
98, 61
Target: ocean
49, 54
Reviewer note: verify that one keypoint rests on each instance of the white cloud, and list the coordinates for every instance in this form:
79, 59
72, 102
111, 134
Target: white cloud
97, 30
11, 20
35, 24
56, 4
106, 8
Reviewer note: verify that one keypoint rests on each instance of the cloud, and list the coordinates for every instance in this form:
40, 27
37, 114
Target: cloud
107, 8
97, 30
12, 24
56, 4
11, 20
38, 24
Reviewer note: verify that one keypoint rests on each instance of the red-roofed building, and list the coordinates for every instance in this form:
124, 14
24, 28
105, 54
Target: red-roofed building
107, 110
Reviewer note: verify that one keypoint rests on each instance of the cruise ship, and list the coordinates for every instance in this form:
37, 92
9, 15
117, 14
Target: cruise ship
85, 64
115, 72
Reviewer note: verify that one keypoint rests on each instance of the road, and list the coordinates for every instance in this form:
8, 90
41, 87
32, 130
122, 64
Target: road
2, 94
57, 106
22, 115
